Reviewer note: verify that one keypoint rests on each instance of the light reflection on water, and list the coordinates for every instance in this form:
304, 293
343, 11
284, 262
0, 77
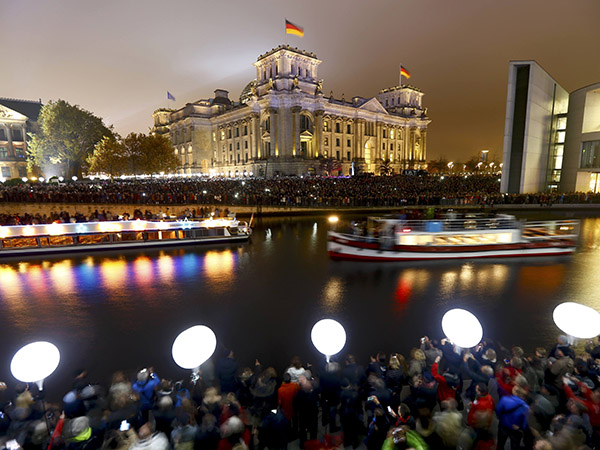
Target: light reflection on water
261, 298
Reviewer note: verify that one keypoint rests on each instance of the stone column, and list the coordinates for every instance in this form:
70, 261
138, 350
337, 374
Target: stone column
296, 130
424, 145
11, 150
359, 133
318, 140
254, 131
274, 151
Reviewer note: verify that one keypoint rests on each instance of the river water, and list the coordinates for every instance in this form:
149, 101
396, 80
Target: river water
123, 310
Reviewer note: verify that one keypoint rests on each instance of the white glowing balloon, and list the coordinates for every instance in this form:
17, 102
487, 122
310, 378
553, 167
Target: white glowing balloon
462, 328
35, 361
328, 336
194, 346
577, 320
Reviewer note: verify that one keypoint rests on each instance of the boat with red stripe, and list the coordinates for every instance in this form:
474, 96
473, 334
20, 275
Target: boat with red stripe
390, 239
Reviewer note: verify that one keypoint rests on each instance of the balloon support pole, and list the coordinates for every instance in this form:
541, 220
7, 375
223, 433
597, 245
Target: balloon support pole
195, 374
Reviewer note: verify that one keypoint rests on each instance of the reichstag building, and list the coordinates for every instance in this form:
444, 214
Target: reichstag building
283, 124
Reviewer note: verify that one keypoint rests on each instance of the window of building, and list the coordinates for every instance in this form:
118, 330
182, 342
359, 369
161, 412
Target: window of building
237, 146
20, 152
267, 124
214, 137
391, 147
337, 127
245, 144
230, 147
3, 152
337, 155
229, 133
22, 171
560, 137
337, 142
305, 123
238, 158
245, 130
383, 146
391, 134
561, 123
246, 157
17, 134
348, 156
349, 129
348, 143
325, 142
306, 73
326, 125
237, 132
384, 133
222, 135
2, 134
5, 172
230, 159
590, 155
176, 152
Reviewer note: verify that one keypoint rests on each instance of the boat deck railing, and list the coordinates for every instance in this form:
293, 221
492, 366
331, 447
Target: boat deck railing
532, 230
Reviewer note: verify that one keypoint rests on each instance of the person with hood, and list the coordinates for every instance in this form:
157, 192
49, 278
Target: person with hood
512, 412
146, 383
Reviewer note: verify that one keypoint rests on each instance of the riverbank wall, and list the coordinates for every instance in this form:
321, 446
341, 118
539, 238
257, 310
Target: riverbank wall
246, 211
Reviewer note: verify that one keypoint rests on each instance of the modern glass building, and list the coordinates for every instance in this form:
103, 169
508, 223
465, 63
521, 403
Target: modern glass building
551, 137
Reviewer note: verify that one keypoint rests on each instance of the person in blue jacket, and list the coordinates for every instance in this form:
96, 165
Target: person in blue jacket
145, 386
512, 411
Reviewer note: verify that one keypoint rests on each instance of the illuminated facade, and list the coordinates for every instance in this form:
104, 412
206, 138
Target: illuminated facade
17, 118
284, 124
551, 137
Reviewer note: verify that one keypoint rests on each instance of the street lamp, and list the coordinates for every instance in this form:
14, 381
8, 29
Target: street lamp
193, 347
577, 320
462, 328
35, 362
328, 336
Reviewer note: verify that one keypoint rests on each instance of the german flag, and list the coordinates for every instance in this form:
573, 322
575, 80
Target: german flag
404, 72
290, 28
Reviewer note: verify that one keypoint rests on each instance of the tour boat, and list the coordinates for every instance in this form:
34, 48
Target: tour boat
391, 239
47, 239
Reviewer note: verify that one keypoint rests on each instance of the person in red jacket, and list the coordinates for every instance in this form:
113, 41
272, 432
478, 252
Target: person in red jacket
285, 399
591, 400
447, 383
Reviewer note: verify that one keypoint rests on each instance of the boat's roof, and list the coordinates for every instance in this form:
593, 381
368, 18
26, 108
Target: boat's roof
61, 229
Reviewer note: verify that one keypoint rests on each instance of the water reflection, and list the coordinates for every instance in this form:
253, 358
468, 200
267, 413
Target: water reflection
333, 294
218, 268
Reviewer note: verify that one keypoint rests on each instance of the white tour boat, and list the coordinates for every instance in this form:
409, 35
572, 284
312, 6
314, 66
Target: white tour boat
48, 239
411, 240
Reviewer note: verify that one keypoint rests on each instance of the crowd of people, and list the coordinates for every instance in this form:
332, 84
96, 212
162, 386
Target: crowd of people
361, 191
438, 397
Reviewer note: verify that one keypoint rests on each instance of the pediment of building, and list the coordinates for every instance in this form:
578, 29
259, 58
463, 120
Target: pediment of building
306, 134
373, 105
7, 113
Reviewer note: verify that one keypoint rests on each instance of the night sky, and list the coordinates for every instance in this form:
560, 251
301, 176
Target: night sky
117, 58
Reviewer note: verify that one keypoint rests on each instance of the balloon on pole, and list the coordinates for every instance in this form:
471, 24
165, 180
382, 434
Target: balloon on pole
328, 336
577, 320
34, 362
462, 328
